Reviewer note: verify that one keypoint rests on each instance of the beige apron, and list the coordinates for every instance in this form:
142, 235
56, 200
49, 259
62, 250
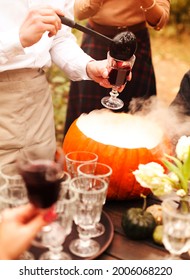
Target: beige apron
26, 114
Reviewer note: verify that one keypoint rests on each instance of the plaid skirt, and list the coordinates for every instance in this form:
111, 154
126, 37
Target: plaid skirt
85, 96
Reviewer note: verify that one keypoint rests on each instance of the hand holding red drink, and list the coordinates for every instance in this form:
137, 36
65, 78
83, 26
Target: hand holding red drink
120, 62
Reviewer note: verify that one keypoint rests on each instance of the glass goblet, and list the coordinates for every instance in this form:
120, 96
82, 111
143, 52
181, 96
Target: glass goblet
103, 171
118, 72
91, 195
16, 189
41, 176
55, 235
39, 241
75, 158
14, 195
176, 225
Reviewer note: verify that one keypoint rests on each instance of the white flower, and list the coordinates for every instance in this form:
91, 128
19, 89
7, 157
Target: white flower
151, 169
182, 148
151, 175
181, 193
146, 172
174, 177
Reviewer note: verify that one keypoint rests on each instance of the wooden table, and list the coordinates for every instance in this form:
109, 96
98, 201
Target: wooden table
122, 248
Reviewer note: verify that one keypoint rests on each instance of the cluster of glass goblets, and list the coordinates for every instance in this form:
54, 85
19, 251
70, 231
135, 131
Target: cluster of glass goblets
90, 181
76, 195
81, 199
47, 187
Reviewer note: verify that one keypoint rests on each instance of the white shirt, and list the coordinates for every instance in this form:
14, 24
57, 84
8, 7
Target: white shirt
61, 49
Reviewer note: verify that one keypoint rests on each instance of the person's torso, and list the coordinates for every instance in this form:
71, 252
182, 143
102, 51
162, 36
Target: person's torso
119, 13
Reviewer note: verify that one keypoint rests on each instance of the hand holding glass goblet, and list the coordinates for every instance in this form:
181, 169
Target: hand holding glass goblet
43, 179
120, 62
118, 72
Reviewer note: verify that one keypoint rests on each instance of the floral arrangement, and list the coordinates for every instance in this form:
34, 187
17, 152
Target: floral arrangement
152, 175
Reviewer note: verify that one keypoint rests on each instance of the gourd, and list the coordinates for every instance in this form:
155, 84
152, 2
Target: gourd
122, 141
158, 235
138, 224
156, 211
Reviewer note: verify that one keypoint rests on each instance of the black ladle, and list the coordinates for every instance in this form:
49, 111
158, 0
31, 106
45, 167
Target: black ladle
73, 24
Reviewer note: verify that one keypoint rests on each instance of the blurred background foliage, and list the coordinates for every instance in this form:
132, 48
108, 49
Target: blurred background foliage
180, 14
176, 33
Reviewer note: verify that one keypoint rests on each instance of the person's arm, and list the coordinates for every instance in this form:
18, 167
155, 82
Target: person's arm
10, 45
84, 9
68, 56
37, 22
156, 12
18, 227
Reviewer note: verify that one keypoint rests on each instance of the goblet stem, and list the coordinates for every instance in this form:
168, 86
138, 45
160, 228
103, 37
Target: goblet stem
84, 234
112, 102
53, 240
55, 252
84, 246
114, 93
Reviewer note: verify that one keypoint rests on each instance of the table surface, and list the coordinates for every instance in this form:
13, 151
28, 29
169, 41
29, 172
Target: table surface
122, 248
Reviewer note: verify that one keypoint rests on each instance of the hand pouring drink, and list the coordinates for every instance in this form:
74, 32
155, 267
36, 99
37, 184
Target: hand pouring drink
120, 59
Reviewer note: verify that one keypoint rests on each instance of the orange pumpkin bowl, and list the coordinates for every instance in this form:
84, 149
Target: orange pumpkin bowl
123, 160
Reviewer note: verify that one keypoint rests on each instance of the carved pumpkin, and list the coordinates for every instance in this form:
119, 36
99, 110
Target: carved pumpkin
120, 140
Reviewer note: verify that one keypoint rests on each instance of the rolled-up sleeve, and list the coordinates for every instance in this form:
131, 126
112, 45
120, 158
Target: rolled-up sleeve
165, 5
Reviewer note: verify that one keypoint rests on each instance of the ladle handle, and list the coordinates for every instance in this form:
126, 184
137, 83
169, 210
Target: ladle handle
73, 24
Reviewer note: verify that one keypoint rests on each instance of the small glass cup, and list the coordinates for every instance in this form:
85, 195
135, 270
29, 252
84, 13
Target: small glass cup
56, 232
91, 196
16, 190
65, 180
14, 195
176, 225
75, 158
103, 171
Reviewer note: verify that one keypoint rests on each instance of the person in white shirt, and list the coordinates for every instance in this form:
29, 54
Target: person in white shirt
31, 38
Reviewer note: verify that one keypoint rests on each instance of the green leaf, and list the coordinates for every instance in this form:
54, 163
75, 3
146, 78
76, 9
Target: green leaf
176, 160
186, 167
172, 167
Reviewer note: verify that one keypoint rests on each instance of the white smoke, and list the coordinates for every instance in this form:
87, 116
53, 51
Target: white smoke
144, 126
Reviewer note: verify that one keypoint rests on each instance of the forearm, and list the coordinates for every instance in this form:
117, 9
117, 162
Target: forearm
156, 12
84, 9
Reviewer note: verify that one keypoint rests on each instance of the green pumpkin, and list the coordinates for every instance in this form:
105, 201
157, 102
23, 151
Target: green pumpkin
138, 223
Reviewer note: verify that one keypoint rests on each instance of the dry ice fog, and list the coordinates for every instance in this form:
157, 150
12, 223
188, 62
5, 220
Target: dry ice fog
143, 126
